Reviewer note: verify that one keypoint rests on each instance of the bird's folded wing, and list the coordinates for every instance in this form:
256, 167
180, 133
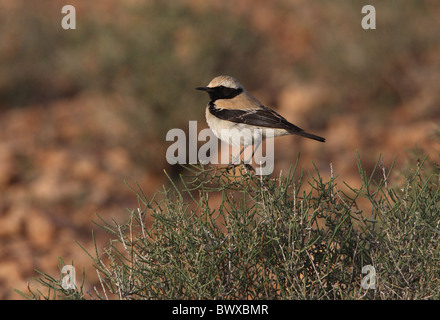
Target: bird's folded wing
263, 117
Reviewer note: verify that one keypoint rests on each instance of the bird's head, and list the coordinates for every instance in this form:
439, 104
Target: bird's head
222, 87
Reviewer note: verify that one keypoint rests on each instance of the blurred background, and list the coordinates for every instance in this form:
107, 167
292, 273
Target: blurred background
85, 112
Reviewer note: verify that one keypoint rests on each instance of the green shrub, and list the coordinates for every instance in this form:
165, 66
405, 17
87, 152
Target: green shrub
273, 238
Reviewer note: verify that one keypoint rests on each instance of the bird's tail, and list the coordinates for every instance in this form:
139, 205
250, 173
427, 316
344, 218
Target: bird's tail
309, 135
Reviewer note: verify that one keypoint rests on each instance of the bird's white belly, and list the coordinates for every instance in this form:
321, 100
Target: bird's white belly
235, 134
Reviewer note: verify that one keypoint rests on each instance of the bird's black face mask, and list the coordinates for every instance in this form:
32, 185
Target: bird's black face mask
221, 92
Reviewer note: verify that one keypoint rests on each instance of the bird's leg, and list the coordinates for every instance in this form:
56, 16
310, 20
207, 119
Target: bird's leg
253, 152
247, 162
235, 160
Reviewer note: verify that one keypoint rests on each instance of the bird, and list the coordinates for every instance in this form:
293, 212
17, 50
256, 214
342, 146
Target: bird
231, 106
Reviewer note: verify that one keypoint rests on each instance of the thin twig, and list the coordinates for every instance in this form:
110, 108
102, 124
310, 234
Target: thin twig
317, 274
102, 285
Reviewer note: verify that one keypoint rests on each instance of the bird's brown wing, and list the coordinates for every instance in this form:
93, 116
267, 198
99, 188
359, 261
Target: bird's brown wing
262, 117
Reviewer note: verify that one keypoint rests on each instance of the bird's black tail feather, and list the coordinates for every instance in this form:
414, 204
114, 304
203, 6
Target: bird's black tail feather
309, 135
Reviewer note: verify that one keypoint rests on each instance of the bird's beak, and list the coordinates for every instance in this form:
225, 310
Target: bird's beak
204, 88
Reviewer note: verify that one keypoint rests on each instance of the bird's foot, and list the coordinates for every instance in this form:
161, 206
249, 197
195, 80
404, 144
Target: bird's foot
247, 166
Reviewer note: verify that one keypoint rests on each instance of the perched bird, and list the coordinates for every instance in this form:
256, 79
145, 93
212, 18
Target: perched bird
232, 107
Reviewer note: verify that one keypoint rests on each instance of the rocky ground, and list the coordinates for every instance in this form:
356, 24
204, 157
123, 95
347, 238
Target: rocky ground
62, 158
54, 177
